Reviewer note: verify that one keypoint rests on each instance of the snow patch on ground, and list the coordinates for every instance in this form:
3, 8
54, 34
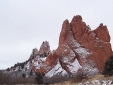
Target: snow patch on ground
97, 82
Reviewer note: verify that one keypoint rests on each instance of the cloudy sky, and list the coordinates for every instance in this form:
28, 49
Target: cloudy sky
25, 24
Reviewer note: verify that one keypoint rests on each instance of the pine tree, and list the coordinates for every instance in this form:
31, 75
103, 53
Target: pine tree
31, 73
23, 75
7, 69
108, 68
39, 78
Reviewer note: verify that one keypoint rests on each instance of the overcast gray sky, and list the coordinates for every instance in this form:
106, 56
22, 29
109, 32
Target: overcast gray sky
25, 24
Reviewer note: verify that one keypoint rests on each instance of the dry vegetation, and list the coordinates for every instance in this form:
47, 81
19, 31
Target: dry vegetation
18, 84
56, 80
6, 78
96, 77
89, 79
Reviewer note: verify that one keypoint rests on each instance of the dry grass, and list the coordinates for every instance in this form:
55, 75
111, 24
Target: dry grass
100, 77
62, 83
19, 84
96, 77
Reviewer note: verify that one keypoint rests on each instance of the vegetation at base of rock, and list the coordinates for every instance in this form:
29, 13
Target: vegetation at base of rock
80, 75
108, 68
6, 78
39, 78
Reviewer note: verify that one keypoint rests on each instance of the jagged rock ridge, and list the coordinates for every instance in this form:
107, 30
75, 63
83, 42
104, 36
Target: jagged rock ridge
43, 51
45, 48
26, 67
79, 47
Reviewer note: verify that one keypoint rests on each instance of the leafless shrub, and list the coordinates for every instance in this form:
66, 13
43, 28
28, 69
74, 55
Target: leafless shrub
21, 80
55, 79
4, 78
0, 77
80, 75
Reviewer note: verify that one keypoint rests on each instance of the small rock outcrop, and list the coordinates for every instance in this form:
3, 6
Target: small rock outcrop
43, 51
79, 47
34, 53
45, 48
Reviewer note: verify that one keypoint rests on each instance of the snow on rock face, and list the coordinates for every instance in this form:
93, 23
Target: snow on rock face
79, 47
38, 62
74, 66
56, 70
36, 59
82, 52
21, 68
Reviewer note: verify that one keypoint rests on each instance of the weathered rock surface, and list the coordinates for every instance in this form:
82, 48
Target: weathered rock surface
34, 53
79, 47
43, 51
45, 48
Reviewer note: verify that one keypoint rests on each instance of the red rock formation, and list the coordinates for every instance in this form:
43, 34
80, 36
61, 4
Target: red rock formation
45, 48
77, 42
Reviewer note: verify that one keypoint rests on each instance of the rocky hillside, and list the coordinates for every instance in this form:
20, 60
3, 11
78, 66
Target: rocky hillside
25, 68
79, 47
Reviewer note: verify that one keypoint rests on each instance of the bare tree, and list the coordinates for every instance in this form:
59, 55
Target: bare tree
4, 78
80, 75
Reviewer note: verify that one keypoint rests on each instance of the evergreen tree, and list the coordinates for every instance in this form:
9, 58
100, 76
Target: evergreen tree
108, 68
19, 69
31, 73
7, 69
22, 65
39, 78
45, 54
23, 75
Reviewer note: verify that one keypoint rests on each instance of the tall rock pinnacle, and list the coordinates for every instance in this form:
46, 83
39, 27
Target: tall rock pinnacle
45, 48
79, 44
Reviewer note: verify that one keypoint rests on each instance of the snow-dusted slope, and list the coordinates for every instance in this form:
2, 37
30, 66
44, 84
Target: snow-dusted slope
37, 62
56, 70
74, 66
22, 68
25, 67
